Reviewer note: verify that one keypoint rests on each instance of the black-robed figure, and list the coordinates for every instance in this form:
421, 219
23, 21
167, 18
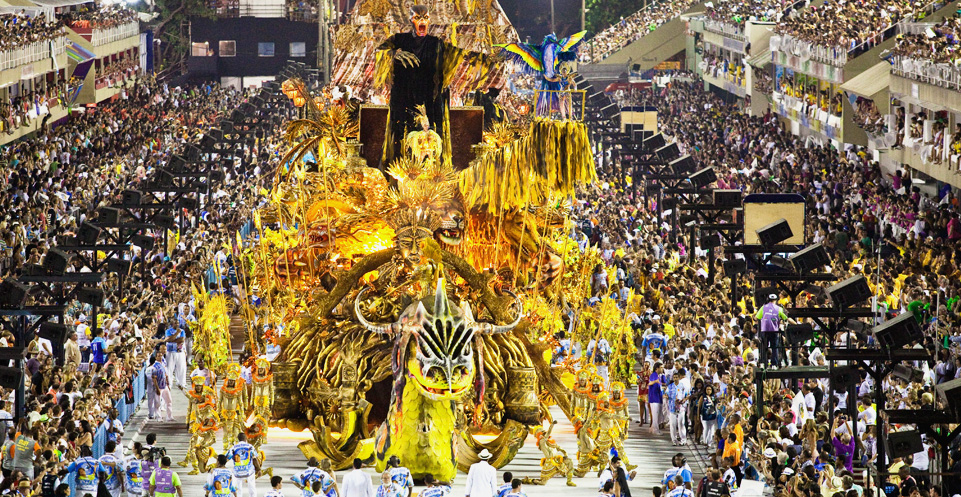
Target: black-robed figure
422, 67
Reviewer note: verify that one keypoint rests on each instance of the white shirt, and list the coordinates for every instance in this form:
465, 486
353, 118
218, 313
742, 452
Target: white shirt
357, 484
810, 403
868, 415
481, 480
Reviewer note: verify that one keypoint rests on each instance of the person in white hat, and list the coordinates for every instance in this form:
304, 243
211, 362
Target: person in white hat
771, 315
482, 477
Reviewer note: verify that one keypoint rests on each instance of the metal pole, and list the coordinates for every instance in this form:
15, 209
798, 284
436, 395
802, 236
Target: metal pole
322, 45
552, 17
881, 435
583, 15
21, 395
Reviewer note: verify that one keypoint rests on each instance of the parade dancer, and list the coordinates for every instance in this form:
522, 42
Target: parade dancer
233, 405
246, 465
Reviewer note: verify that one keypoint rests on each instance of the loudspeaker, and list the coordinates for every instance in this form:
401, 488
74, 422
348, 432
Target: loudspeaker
684, 165
165, 221
13, 294
108, 216
799, 333
734, 267
10, 377
610, 110
115, 265
907, 373
844, 377
237, 117
191, 152
727, 198
904, 443
87, 234
898, 332
164, 178
949, 393
227, 127
131, 197
774, 233
703, 177
56, 261
216, 176
189, 203
762, 293
176, 164
208, 142
90, 296
710, 241
143, 241
654, 142
851, 291
668, 152
55, 332
809, 259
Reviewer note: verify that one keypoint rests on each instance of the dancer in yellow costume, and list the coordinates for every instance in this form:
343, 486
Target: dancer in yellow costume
256, 431
593, 395
619, 406
204, 424
607, 431
233, 405
263, 388
555, 460
196, 395
588, 457
580, 401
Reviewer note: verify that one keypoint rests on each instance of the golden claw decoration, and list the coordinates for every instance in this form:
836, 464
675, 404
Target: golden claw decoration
406, 58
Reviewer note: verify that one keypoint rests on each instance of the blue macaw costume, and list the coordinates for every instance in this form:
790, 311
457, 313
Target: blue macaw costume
543, 61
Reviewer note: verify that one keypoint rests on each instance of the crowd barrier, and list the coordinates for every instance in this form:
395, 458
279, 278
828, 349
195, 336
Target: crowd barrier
124, 412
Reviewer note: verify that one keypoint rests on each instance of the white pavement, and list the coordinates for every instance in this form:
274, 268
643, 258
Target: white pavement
652, 455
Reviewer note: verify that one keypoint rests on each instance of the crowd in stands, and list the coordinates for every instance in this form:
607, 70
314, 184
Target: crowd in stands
117, 72
847, 24
868, 117
763, 81
22, 109
53, 183
305, 10
631, 29
938, 44
699, 351
816, 102
19, 29
100, 18
753, 10
723, 68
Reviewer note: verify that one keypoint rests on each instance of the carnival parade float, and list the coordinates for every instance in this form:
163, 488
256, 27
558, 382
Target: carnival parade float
415, 301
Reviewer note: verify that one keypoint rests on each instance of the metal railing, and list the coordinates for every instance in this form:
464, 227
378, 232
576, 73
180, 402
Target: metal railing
560, 104
301, 15
925, 71
32, 52
124, 412
725, 29
100, 37
838, 56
